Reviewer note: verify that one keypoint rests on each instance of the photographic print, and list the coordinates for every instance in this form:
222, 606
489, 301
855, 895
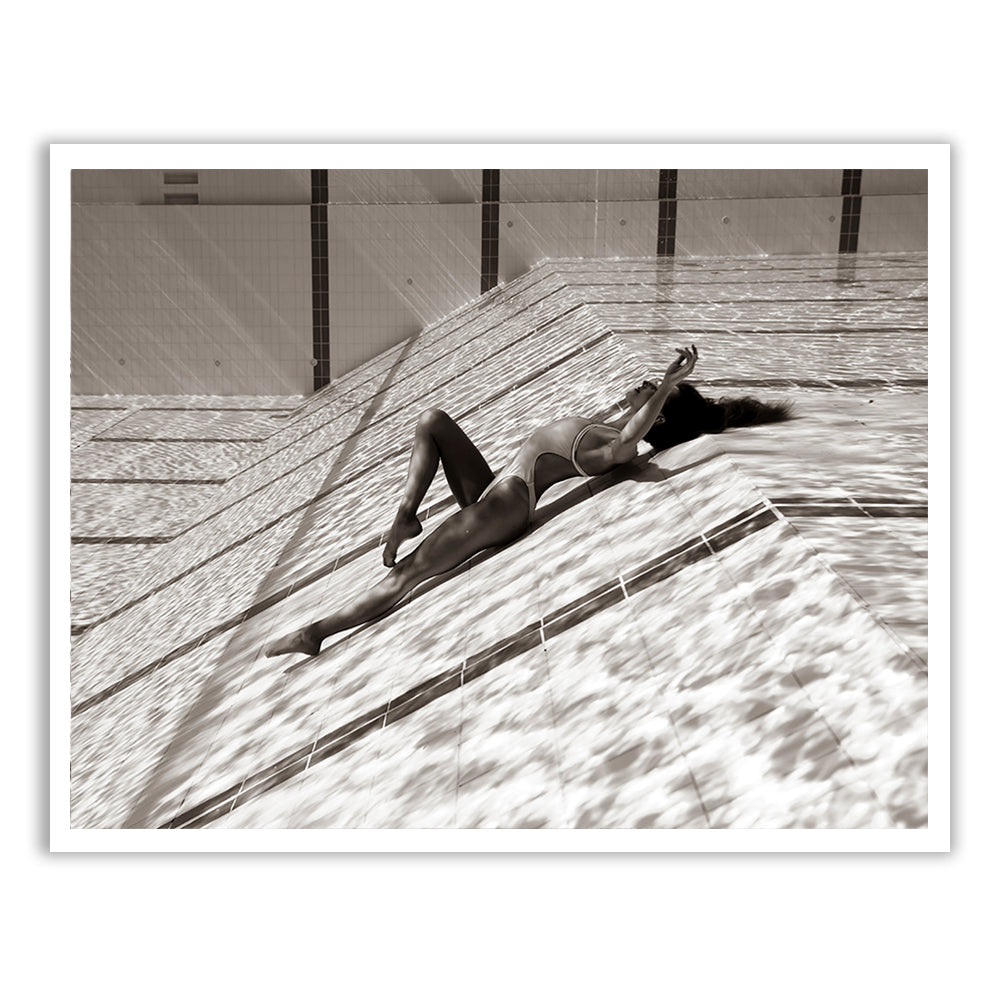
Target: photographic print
575, 504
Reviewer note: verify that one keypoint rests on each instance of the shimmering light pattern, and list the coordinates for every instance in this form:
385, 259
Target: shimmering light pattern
778, 680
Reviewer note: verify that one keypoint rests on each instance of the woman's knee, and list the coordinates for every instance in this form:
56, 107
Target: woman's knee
433, 419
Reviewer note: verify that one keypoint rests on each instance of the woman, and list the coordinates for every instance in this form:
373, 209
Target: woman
496, 510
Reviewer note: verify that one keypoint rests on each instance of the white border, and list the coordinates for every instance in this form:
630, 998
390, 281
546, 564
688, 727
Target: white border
933, 157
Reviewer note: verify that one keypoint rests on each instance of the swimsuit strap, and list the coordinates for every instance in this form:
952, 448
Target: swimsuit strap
576, 443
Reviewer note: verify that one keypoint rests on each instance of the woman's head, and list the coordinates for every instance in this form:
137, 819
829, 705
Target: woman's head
637, 396
687, 414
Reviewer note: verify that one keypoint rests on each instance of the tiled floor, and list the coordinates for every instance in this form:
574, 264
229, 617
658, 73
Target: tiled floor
731, 634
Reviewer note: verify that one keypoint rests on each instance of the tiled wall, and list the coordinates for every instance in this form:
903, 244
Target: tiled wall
533, 231
217, 297
199, 299
395, 269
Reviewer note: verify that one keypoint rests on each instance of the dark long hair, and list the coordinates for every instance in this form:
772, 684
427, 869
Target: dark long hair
688, 414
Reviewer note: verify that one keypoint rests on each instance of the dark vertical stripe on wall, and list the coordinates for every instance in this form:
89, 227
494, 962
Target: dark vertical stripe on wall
491, 230
850, 217
667, 225
320, 278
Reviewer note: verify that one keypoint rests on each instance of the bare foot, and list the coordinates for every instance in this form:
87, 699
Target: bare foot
402, 528
303, 641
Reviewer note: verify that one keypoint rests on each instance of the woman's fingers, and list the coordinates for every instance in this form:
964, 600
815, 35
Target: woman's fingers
685, 360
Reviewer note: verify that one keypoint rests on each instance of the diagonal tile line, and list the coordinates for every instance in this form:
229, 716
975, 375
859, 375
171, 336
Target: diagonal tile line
217, 409
180, 440
577, 349
850, 506
121, 539
606, 313
149, 482
669, 270
293, 763
664, 300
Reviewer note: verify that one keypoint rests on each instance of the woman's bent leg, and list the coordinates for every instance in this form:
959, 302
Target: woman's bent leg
438, 441
496, 520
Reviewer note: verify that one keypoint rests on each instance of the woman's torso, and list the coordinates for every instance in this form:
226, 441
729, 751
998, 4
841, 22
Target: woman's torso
553, 452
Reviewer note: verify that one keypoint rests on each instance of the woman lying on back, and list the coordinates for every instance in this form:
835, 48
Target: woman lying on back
496, 509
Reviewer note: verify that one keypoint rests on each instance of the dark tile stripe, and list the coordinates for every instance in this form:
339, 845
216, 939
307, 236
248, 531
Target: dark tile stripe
659, 271
490, 268
804, 506
151, 482
215, 409
344, 736
479, 664
182, 440
666, 228
850, 216
857, 330
121, 539
320, 243
590, 604
733, 534
668, 567
403, 706
661, 299
742, 516
820, 510
892, 501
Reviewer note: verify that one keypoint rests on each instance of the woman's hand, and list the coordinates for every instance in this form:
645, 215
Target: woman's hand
682, 366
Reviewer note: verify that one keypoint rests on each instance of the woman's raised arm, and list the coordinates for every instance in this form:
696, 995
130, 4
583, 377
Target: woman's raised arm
624, 448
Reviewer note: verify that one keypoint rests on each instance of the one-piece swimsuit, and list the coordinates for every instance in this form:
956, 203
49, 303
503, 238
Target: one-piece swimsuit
561, 438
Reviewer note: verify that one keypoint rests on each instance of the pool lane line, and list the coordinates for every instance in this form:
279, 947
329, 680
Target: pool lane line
149, 482
180, 440
121, 539
618, 589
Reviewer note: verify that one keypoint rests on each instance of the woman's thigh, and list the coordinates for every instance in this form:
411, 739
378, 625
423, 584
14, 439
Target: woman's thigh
497, 519
467, 472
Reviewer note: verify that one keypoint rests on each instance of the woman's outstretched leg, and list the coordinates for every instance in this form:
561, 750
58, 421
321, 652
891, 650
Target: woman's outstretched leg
495, 520
438, 440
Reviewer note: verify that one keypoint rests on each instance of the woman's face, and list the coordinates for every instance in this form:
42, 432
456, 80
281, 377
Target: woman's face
637, 396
